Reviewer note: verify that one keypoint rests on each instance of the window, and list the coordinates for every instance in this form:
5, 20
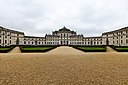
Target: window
97, 42
101, 42
106, 35
121, 41
17, 34
127, 41
94, 43
10, 41
126, 31
5, 41
24, 42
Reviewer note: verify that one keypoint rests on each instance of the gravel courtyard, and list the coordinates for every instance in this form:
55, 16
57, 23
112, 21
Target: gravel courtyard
64, 66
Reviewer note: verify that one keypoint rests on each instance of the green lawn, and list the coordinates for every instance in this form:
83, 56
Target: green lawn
122, 48
36, 48
92, 48
6, 49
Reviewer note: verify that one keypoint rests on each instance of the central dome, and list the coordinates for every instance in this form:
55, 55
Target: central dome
64, 29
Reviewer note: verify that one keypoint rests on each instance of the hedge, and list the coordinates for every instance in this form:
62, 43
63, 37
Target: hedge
25, 50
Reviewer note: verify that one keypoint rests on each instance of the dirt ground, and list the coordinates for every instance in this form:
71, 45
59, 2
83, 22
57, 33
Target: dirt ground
64, 66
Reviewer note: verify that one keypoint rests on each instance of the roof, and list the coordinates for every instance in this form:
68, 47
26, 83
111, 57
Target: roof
122, 29
33, 37
64, 29
52, 35
92, 37
76, 36
10, 30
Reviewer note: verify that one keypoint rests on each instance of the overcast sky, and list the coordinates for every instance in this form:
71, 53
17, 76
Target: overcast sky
88, 17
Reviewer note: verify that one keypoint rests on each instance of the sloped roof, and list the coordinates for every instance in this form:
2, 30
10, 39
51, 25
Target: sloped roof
64, 29
3, 28
122, 29
33, 37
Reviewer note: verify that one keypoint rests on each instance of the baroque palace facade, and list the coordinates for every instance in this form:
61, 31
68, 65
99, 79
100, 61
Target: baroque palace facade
63, 36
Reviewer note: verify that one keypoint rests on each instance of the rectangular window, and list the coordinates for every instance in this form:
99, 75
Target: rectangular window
28, 42
10, 41
94, 42
24, 42
127, 41
106, 35
121, 41
5, 41
97, 42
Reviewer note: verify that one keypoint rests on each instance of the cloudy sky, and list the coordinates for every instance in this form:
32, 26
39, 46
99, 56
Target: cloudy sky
88, 17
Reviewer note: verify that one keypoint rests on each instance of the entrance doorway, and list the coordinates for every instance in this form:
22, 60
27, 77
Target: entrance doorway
107, 41
35, 42
17, 41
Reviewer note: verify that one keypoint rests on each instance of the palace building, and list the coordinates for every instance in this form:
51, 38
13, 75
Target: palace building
64, 36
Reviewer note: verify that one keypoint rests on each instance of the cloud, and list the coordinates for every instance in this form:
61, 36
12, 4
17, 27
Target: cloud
38, 17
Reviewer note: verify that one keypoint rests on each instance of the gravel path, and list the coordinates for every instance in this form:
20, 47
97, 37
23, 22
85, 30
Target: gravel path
65, 50
109, 49
51, 69
15, 50
64, 68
